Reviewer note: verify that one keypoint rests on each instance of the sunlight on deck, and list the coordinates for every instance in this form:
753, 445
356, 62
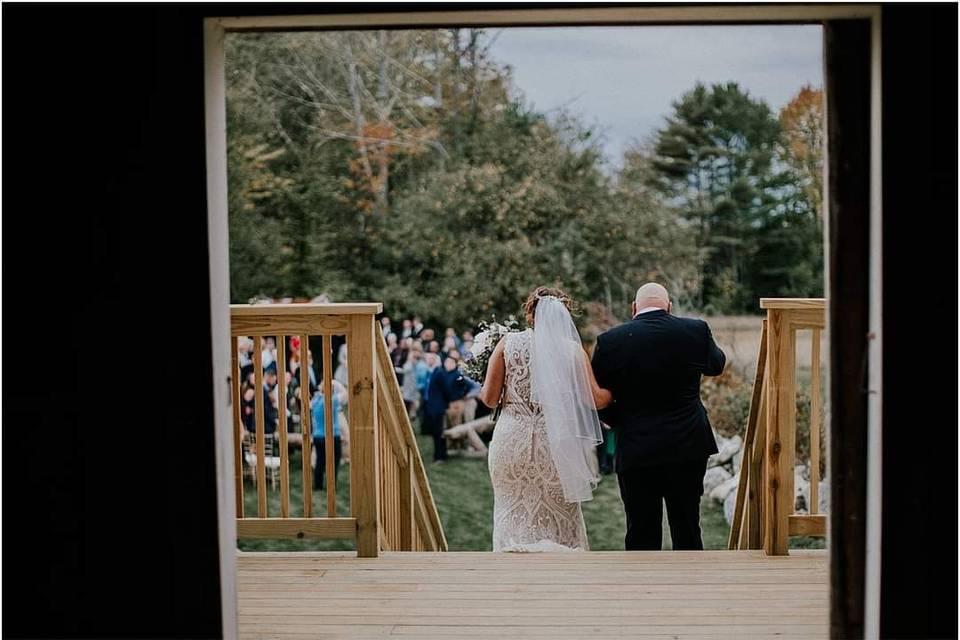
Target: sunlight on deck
710, 594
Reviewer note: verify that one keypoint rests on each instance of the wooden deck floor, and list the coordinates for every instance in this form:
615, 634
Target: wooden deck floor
701, 595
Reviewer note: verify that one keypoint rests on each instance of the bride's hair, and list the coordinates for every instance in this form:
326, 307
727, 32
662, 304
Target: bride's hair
530, 306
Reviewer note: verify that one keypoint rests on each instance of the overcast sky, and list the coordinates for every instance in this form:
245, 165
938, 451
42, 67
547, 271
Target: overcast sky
623, 79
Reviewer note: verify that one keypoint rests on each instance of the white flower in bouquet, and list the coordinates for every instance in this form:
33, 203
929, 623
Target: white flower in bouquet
474, 366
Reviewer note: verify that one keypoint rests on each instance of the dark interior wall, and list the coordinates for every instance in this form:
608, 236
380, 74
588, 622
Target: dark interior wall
919, 562
108, 496
847, 63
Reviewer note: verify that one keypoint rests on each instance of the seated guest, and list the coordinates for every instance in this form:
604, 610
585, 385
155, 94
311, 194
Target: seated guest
320, 437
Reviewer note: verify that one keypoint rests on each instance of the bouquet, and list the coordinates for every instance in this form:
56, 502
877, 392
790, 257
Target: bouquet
475, 362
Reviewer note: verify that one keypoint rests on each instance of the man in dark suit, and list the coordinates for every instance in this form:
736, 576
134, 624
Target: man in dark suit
445, 385
653, 365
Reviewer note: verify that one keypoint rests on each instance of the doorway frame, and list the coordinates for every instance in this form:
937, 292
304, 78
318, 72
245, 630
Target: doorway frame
215, 30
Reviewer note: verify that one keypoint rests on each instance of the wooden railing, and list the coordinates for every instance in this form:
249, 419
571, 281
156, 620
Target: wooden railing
764, 515
391, 506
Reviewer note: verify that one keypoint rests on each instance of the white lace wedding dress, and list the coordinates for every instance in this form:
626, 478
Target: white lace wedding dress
529, 510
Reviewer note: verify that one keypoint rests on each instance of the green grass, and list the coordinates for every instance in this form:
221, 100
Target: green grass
464, 497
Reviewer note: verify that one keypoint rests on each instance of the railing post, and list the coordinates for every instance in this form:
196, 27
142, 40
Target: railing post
781, 418
364, 465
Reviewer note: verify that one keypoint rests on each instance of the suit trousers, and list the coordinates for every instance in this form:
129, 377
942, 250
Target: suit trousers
319, 445
435, 424
645, 489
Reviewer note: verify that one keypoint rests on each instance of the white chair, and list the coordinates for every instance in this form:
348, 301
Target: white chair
271, 462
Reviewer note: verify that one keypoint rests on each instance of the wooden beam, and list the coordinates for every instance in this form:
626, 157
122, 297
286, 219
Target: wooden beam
235, 383
282, 426
268, 324
330, 309
259, 418
306, 427
807, 525
793, 303
781, 421
746, 461
364, 463
407, 506
297, 528
329, 462
814, 505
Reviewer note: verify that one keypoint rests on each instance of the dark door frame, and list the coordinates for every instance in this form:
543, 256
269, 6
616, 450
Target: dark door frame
852, 36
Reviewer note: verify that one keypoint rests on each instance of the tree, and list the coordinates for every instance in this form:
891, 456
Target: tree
714, 165
802, 122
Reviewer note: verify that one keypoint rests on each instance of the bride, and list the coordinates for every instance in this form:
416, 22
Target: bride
541, 454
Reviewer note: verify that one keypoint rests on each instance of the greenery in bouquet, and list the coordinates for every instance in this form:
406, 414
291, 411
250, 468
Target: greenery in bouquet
475, 361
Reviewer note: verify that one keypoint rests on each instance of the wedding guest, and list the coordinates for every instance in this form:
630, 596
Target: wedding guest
441, 391
424, 370
385, 325
452, 333
244, 357
449, 346
434, 347
399, 358
406, 329
340, 392
417, 326
340, 375
391, 343
268, 352
411, 395
320, 437
269, 404
466, 341
427, 336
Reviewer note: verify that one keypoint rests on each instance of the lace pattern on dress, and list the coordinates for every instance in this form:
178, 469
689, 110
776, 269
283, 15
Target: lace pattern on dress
529, 510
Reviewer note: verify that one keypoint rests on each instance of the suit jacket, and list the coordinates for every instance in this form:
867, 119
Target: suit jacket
653, 365
443, 388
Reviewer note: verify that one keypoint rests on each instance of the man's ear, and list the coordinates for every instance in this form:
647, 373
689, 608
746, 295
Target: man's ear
633, 308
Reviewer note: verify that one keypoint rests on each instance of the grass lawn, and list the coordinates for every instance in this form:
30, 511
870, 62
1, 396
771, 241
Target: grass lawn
464, 497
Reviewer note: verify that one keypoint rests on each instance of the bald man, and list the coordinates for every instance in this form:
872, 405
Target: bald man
653, 366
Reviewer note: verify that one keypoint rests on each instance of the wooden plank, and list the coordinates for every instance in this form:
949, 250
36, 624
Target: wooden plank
781, 425
753, 520
331, 472
235, 383
807, 525
814, 505
364, 464
266, 324
407, 506
305, 426
258, 416
424, 527
298, 528
422, 484
282, 426
748, 440
793, 303
389, 419
807, 318
297, 309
